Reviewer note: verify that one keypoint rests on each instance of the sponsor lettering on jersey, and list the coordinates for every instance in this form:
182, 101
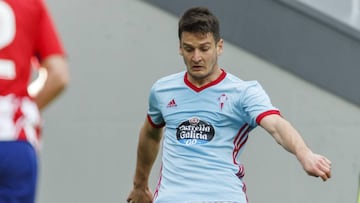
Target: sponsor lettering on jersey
195, 131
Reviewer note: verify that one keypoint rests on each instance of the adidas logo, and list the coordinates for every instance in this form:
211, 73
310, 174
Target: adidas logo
171, 104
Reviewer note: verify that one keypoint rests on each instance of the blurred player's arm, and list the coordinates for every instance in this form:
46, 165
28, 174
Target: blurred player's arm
288, 137
148, 148
54, 74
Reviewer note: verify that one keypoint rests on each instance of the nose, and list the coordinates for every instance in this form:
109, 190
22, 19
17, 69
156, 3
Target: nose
196, 56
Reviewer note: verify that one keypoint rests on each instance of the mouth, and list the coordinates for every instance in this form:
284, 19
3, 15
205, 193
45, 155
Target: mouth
196, 67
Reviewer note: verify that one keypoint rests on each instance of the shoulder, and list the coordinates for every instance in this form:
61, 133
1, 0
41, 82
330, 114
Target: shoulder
170, 80
172, 77
242, 84
21, 7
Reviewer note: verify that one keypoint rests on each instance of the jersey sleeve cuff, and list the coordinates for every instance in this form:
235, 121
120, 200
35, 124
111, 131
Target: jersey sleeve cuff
154, 124
266, 113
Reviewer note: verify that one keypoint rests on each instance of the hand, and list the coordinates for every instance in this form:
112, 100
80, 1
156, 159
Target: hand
316, 165
140, 195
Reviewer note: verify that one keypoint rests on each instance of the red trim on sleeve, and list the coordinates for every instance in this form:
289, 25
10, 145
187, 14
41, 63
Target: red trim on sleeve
153, 124
266, 113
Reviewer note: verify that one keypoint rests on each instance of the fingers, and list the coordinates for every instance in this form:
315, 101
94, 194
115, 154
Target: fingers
325, 176
319, 166
325, 168
130, 199
327, 160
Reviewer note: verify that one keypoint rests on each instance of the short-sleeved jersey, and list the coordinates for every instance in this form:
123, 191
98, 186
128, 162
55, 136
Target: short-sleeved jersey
26, 31
206, 130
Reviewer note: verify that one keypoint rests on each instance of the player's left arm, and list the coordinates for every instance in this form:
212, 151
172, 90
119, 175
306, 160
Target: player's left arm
52, 57
57, 78
288, 137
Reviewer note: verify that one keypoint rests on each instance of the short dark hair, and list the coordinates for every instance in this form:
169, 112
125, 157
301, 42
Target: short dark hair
199, 20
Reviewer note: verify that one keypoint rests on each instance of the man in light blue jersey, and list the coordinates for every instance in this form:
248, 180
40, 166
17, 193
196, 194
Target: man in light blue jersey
207, 114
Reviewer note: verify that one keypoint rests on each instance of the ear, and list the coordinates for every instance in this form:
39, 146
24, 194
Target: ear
181, 51
219, 47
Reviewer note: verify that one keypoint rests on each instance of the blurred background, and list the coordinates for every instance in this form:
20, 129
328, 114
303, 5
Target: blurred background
304, 53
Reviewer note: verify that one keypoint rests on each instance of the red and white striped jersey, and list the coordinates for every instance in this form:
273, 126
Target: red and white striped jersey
26, 31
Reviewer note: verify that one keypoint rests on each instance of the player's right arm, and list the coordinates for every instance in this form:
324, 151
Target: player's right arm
148, 148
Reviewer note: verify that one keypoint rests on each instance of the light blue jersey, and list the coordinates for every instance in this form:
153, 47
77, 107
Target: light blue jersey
206, 130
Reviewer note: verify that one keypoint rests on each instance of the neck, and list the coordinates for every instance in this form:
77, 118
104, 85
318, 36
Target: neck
200, 82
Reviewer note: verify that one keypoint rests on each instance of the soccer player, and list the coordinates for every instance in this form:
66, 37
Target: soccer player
27, 34
207, 114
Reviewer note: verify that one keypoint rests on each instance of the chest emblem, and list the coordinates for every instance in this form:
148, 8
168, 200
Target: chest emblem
222, 99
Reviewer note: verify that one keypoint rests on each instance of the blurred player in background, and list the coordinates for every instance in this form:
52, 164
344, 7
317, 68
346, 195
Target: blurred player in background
207, 114
27, 37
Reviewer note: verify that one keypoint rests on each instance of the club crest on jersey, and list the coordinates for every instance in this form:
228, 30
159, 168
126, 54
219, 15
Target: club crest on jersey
222, 99
194, 131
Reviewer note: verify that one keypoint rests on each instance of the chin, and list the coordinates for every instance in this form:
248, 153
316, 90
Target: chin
198, 75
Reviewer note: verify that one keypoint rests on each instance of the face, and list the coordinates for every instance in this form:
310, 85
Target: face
200, 53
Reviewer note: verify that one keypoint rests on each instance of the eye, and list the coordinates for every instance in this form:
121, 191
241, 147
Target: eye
205, 48
188, 49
